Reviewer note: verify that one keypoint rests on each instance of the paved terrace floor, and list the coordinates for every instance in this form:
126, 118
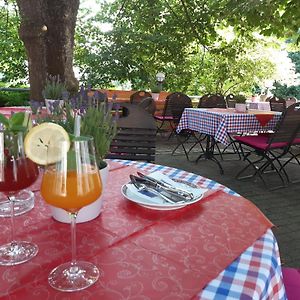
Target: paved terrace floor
281, 206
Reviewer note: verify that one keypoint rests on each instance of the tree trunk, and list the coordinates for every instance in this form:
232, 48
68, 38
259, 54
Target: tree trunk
47, 30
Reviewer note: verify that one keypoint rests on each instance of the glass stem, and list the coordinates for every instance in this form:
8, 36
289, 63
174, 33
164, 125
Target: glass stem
73, 237
12, 217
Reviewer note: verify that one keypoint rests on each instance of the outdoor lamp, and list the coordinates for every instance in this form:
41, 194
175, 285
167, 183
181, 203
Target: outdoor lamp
160, 77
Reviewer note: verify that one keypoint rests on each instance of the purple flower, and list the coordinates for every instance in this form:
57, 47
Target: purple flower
36, 106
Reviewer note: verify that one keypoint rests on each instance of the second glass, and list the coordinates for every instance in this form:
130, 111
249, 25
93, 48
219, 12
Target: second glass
17, 172
72, 183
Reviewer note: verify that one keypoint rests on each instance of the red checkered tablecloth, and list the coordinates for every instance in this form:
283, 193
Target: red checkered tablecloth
220, 122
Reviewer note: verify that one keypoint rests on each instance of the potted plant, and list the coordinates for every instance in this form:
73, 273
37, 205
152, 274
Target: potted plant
240, 103
155, 90
54, 92
99, 123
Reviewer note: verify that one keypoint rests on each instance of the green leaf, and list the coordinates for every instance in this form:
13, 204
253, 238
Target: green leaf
17, 119
3, 120
17, 127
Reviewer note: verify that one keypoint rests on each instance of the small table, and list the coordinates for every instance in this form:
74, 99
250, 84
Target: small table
218, 123
256, 273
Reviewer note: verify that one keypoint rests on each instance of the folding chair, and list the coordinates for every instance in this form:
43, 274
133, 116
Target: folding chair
272, 147
166, 118
149, 105
212, 101
216, 101
177, 102
277, 103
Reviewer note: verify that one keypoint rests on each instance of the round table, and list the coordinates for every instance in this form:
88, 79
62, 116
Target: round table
255, 274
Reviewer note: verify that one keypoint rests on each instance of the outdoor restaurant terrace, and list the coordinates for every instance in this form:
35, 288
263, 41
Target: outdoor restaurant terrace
149, 150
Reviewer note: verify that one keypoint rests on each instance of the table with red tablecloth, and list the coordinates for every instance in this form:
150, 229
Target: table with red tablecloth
221, 247
7, 111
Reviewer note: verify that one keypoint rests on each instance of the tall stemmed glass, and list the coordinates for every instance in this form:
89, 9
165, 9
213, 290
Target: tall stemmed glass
17, 172
71, 183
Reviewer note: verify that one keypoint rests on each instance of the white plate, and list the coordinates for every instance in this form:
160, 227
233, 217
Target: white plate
153, 201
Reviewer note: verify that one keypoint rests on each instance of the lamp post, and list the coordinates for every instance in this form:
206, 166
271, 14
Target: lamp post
160, 77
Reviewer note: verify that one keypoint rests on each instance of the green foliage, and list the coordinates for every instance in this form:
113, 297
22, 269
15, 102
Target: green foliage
13, 66
295, 57
17, 122
284, 91
183, 39
14, 98
54, 88
230, 68
240, 98
155, 88
275, 17
193, 53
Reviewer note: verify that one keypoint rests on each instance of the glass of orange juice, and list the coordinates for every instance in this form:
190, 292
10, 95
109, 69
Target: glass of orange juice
70, 183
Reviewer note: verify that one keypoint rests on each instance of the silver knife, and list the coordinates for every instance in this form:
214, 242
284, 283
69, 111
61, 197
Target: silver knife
161, 190
186, 194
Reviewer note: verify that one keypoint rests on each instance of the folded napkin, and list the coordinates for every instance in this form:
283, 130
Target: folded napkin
264, 119
153, 198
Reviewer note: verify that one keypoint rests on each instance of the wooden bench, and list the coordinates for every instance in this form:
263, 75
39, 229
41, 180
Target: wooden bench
118, 95
124, 96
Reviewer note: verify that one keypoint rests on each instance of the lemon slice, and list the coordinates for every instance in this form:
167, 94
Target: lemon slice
43, 143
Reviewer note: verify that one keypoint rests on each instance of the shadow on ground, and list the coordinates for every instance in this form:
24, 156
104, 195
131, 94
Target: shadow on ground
281, 206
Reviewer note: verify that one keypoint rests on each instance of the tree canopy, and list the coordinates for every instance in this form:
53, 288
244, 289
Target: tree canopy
202, 46
187, 39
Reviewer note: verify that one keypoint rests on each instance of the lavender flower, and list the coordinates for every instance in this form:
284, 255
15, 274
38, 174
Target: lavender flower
36, 106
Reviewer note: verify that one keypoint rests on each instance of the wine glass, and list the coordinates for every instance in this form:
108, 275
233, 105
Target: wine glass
17, 172
71, 183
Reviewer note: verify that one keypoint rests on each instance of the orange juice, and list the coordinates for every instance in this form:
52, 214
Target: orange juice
71, 192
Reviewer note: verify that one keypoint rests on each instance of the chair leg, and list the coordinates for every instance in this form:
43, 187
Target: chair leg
181, 143
282, 168
250, 164
198, 142
234, 146
270, 162
260, 170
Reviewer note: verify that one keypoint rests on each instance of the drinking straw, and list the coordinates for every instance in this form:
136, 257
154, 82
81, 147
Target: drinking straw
27, 119
77, 125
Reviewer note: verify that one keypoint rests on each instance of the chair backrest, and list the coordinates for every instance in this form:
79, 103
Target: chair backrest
136, 135
230, 101
277, 104
139, 96
149, 105
289, 101
288, 127
212, 101
177, 102
163, 95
